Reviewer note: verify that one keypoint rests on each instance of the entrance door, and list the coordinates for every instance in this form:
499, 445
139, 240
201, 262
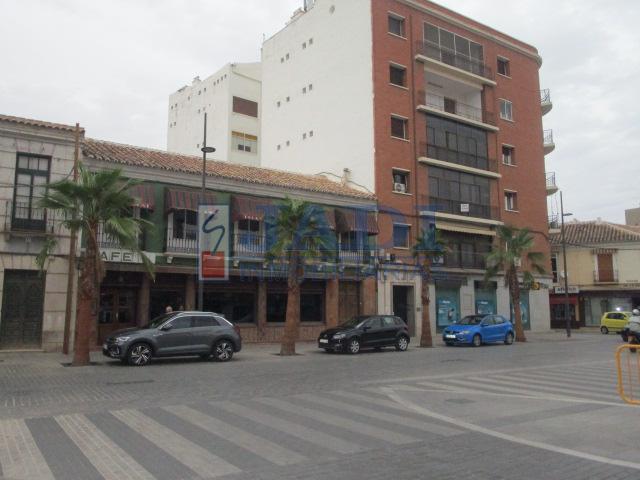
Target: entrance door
22, 309
447, 306
403, 306
117, 311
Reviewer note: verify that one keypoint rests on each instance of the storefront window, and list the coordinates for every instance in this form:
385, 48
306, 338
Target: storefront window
237, 307
276, 307
312, 307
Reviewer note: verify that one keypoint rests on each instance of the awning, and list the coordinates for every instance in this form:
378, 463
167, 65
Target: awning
460, 229
249, 208
144, 196
352, 220
330, 217
187, 199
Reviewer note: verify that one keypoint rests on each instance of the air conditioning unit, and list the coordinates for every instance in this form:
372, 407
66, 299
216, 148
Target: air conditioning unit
400, 187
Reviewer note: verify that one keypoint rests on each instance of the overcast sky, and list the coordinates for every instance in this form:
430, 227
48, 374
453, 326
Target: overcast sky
111, 65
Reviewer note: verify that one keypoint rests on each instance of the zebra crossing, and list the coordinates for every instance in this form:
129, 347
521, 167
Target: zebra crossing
209, 439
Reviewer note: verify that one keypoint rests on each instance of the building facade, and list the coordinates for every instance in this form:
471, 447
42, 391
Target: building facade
33, 154
603, 265
437, 114
231, 98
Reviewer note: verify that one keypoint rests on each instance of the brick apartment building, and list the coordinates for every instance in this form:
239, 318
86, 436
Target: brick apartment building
437, 114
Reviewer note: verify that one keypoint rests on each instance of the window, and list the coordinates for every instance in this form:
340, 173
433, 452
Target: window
396, 25
554, 267
181, 323
205, 321
398, 75
244, 142
506, 109
388, 322
504, 67
454, 50
312, 307
508, 157
351, 242
245, 107
238, 307
399, 127
400, 181
460, 193
454, 142
511, 201
32, 176
401, 236
185, 225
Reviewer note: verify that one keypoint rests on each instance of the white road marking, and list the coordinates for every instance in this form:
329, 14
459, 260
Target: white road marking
503, 436
20, 457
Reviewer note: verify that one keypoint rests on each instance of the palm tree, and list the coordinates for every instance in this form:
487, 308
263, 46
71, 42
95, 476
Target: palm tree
98, 200
300, 234
511, 253
428, 247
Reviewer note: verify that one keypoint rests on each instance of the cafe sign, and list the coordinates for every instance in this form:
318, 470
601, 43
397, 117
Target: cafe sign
118, 255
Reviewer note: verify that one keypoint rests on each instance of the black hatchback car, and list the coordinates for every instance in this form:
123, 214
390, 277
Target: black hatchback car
372, 331
177, 334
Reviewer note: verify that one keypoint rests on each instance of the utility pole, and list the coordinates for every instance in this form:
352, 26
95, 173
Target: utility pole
204, 150
567, 316
72, 254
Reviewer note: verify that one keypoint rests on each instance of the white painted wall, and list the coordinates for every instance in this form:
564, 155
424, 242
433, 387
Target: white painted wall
214, 96
337, 62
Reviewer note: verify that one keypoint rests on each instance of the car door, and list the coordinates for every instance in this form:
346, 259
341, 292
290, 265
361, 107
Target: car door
371, 332
619, 321
503, 326
175, 337
490, 330
205, 330
389, 330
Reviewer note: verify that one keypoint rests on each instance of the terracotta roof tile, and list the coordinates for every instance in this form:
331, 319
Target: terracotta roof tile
38, 123
595, 233
149, 158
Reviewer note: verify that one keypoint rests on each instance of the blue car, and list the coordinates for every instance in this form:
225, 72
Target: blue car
478, 329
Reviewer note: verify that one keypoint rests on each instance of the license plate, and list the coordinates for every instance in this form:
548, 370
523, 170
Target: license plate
450, 336
324, 340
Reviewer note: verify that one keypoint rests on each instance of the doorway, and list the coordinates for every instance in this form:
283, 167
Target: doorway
22, 309
403, 306
117, 311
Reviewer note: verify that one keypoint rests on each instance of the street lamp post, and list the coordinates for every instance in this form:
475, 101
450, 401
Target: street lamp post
567, 316
204, 150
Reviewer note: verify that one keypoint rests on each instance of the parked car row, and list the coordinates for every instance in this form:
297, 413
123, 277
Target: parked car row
210, 335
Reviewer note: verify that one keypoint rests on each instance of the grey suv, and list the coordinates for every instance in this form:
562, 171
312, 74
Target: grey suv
176, 334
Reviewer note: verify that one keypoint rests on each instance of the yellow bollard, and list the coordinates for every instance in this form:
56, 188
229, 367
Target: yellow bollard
628, 365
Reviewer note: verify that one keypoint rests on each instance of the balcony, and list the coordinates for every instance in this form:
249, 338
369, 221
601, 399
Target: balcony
249, 245
106, 241
465, 261
449, 61
486, 166
549, 146
463, 209
554, 222
25, 219
552, 188
545, 101
605, 276
355, 257
184, 241
456, 110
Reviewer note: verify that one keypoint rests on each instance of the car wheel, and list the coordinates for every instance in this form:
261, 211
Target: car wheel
402, 344
354, 346
508, 340
139, 355
223, 351
477, 340
604, 330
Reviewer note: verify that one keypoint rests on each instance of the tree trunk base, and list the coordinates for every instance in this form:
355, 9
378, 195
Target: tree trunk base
521, 339
288, 350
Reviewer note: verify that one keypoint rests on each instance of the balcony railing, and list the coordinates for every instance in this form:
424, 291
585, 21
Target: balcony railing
466, 209
447, 105
466, 159
107, 241
551, 180
454, 59
554, 222
605, 276
21, 217
249, 245
548, 137
545, 96
183, 242
463, 261
356, 257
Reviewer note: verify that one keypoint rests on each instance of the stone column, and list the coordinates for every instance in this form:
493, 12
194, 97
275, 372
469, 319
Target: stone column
368, 296
261, 313
143, 300
190, 292
331, 301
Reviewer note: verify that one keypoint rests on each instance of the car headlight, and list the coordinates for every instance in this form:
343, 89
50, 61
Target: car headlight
121, 340
339, 336
464, 332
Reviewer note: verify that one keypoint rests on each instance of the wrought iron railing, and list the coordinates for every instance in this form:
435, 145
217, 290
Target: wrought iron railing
25, 217
459, 158
447, 105
548, 137
545, 96
605, 276
551, 180
554, 222
183, 242
453, 58
249, 245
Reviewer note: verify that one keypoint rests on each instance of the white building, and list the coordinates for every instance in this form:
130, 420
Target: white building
231, 97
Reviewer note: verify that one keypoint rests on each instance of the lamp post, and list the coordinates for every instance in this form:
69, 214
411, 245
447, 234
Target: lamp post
567, 316
204, 150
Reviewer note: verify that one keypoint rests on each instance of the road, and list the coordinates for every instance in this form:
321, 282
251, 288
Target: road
547, 409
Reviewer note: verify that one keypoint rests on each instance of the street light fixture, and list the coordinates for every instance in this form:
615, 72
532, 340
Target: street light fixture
567, 316
205, 149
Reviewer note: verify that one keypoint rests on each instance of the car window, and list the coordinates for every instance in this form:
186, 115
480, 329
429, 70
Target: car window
399, 322
488, 320
181, 323
205, 321
499, 320
374, 323
389, 322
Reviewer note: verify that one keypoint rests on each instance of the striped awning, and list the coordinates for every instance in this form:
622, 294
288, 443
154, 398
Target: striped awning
143, 196
249, 208
187, 199
330, 217
356, 220
447, 227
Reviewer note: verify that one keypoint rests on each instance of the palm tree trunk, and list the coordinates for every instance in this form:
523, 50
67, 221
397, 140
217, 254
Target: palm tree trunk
514, 291
426, 339
85, 320
292, 320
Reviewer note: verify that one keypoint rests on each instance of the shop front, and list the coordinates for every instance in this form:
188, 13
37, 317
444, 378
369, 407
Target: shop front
447, 304
557, 304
